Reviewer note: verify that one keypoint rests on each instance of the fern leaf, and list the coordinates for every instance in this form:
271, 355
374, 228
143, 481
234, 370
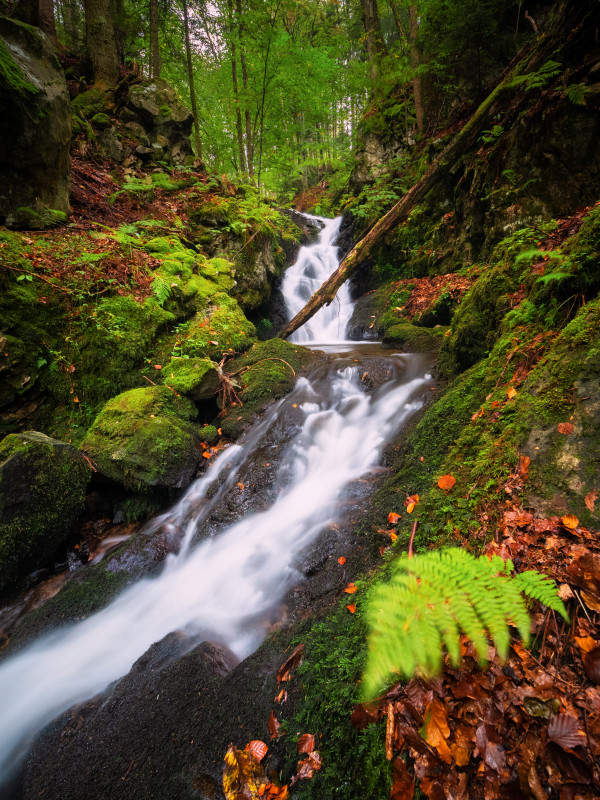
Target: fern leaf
435, 597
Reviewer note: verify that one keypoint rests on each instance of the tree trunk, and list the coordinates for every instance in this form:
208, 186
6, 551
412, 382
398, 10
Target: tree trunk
461, 142
190, 70
236, 93
415, 61
101, 43
247, 116
374, 37
155, 62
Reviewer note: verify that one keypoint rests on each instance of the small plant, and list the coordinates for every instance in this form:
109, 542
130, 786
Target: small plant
577, 93
161, 289
539, 79
434, 597
492, 136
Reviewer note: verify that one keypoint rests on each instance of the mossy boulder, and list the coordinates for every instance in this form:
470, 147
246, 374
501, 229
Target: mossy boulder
42, 491
146, 438
265, 373
413, 339
35, 125
101, 121
198, 378
221, 327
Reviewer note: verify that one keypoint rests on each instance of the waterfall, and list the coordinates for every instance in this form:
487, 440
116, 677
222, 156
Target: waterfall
225, 587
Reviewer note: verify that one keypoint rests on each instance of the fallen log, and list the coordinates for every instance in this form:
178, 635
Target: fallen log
531, 58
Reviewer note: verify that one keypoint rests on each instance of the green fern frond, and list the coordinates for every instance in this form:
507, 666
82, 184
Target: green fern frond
161, 289
435, 597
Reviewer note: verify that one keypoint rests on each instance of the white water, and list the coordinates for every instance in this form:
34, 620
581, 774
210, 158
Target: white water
226, 587
313, 266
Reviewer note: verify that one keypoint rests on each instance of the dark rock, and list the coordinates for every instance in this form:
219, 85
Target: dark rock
35, 129
42, 492
111, 145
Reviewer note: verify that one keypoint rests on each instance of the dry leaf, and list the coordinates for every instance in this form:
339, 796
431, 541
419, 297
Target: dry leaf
586, 643
446, 482
293, 661
565, 731
350, 589
242, 774
566, 427
512, 392
274, 726
393, 517
590, 499
257, 749
241, 486
351, 608
591, 664
570, 521
342, 560
435, 730
306, 743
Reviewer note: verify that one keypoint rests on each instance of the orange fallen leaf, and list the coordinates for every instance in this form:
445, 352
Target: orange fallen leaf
292, 662
350, 589
157, 366
512, 392
393, 517
477, 414
257, 749
274, 726
446, 482
570, 521
306, 743
351, 608
566, 427
411, 503
590, 499
435, 730
241, 486
342, 560
207, 454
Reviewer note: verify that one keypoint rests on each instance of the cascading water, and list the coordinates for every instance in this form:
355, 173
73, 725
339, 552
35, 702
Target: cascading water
313, 266
225, 587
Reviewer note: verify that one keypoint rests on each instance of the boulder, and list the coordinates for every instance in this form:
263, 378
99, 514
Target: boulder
35, 129
42, 491
198, 378
166, 123
412, 339
145, 438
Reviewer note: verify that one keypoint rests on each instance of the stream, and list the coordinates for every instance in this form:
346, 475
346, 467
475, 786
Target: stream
226, 587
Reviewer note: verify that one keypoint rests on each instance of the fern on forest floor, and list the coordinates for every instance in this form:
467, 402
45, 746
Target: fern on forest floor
435, 597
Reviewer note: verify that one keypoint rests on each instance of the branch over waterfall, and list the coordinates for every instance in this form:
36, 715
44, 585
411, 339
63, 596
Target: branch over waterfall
530, 59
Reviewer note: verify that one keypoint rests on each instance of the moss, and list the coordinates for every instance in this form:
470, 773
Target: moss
221, 327
209, 434
25, 218
196, 377
87, 104
413, 339
42, 490
267, 372
12, 79
144, 438
354, 763
101, 120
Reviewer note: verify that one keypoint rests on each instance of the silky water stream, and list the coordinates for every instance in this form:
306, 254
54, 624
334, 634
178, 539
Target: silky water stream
225, 587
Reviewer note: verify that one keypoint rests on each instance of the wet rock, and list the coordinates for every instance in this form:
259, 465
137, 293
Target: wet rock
42, 492
145, 438
412, 339
365, 323
35, 129
162, 731
111, 145
166, 123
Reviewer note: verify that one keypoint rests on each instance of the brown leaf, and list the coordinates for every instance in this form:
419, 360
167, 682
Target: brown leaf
393, 517
590, 499
524, 462
293, 661
462, 747
446, 482
274, 726
435, 730
590, 600
570, 521
411, 502
535, 786
257, 749
512, 392
488, 744
591, 664
307, 768
403, 786
566, 427
306, 743
586, 643
364, 714
565, 731
519, 518
350, 589
242, 775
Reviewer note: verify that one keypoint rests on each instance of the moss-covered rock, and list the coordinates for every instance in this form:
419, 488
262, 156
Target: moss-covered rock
145, 438
413, 339
266, 372
101, 121
35, 126
42, 490
198, 378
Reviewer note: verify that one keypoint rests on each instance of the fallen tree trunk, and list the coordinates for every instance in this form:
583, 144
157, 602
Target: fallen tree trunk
531, 60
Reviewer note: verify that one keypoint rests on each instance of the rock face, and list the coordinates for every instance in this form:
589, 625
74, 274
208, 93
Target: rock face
42, 491
156, 116
35, 129
144, 438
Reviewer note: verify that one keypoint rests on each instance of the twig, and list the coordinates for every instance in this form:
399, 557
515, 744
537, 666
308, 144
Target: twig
166, 385
272, 358
471, 489
582, 606
41, 277
412, 539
